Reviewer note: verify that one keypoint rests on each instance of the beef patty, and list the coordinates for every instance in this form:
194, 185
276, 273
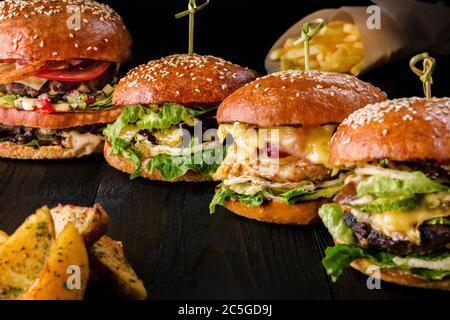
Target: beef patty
108, 77
433, 237
45, 137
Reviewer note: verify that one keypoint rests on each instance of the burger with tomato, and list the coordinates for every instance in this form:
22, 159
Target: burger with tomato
58, 65
392, 218
277, 168
167, 130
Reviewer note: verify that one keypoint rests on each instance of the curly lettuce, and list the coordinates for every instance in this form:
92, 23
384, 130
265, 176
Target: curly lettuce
168, 116
224, 194
338, 258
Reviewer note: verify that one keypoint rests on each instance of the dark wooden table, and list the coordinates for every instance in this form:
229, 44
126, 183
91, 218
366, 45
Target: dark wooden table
175, 245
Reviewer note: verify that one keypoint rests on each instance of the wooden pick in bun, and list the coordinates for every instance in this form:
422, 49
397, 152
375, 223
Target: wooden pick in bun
301, 109
58, 65
163, 99
393, 212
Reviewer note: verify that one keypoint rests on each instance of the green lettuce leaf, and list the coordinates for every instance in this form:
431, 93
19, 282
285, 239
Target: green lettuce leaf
301, 194
331, 215
130, 114
415, 183
338, 258
124, 148
224, 194
9, 99
170, 167
32, 143
170, 114
431, 274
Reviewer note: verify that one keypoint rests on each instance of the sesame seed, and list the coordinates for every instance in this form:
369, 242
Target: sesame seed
76, 45
54, 53
41, 44
384, 132
71, 35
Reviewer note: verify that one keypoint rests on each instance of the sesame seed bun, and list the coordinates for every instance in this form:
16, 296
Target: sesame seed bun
276, 211
183, 79
122, 164
298, 97
39, 31
408, 129
56, 120
401, 277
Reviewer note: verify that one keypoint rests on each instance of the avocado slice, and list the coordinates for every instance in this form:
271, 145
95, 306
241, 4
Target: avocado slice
398, 203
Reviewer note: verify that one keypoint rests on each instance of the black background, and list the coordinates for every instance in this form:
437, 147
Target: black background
179, 250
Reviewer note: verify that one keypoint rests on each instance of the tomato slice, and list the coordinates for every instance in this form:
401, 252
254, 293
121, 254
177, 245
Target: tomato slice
44, 106
76, 74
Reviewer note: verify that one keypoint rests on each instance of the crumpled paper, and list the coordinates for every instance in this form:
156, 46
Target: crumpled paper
408, 27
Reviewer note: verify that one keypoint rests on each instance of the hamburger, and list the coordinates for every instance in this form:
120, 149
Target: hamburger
170, 105
392, 218
58, 64
276, 170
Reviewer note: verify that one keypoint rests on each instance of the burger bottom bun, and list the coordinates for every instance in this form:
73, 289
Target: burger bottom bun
279, 212
42, 153
121, 163
401, 277
56, 120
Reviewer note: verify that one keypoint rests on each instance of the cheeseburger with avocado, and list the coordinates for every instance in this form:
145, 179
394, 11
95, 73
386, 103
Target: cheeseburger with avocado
163, 133
277, 168
393, 214
58, 64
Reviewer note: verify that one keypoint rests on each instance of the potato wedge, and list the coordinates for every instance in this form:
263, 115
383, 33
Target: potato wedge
54, 281
22, 256
90, 222
108, 260
3, 236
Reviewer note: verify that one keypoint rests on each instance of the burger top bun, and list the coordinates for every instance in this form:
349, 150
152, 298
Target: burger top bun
408, 129
183, 79
42, 30
297, 98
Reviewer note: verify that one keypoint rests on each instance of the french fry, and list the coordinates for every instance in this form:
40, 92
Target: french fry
337, 47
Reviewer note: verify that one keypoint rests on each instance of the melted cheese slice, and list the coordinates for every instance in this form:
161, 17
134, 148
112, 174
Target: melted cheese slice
401, 225
33, 82
310, 143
